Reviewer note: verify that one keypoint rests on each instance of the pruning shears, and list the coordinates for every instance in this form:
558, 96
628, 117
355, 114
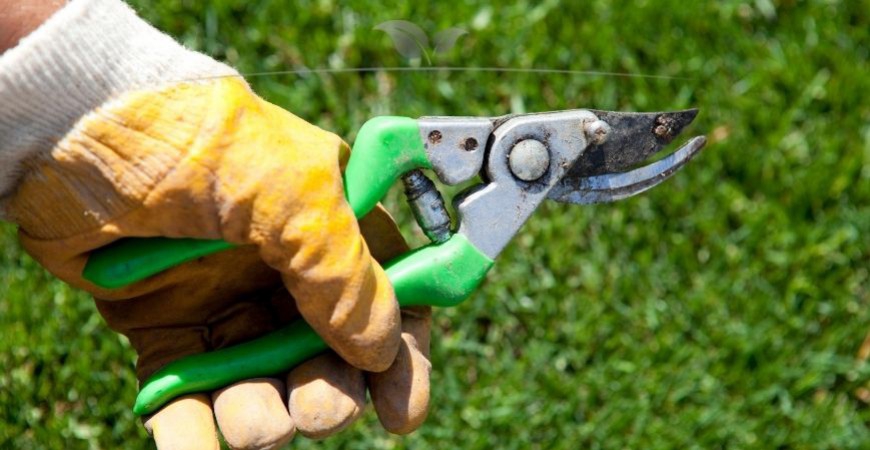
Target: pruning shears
576, 156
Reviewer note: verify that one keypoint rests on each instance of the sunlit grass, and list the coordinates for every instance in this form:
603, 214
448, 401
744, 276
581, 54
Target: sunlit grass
726, 308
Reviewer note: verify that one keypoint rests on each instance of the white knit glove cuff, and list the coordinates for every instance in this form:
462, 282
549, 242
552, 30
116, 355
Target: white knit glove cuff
84, 55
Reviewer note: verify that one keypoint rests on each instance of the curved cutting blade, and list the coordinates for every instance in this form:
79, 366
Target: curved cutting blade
633, 138
617, 186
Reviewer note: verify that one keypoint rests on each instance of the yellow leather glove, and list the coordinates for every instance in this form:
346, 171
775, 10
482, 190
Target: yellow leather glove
211, 160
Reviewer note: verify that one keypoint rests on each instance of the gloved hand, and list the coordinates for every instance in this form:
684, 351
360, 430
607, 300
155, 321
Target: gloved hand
212, 160
100, 139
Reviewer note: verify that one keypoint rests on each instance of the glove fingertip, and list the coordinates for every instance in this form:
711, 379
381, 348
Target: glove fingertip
401, 393
325, 395
185, 423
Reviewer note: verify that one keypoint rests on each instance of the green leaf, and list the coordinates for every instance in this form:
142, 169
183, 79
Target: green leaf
446, 39
410, 41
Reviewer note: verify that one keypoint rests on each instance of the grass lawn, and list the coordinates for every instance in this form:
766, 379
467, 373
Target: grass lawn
728, 308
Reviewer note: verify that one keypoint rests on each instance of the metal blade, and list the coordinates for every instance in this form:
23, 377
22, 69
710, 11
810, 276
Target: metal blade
617, 186
633, 138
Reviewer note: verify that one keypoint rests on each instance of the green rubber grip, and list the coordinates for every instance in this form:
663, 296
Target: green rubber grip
385, 148
129, 260
439, 275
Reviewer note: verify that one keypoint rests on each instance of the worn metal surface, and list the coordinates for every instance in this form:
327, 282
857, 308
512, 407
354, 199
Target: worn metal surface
427, 205
617, 186
590, 154
455, 145
633, 138
491, 214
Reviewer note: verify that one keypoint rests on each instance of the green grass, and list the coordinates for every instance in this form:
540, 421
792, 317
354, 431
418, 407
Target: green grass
724, 309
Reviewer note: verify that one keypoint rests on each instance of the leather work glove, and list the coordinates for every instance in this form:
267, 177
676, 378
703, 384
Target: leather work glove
140, 153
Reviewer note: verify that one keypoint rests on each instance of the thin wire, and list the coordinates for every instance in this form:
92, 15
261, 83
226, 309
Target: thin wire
446, 69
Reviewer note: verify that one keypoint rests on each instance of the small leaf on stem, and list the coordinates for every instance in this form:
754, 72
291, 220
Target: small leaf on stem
410, 41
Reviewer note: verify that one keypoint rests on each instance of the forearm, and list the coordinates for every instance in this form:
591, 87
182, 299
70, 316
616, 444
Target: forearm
20, 17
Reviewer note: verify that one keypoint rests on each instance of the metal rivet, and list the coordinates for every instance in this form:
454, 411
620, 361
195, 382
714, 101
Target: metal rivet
470, 144
597, 131
529, 160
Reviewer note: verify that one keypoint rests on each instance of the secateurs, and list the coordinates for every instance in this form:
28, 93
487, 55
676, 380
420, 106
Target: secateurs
575, 156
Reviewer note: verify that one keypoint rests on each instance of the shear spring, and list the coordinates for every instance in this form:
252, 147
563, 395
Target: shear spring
427, 205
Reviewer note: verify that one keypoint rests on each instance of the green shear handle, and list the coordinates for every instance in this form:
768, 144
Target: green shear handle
441, 274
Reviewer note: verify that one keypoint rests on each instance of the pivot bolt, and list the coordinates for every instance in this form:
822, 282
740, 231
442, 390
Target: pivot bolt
529, 160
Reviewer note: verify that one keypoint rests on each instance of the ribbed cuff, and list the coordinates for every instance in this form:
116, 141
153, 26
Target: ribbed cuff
84, 55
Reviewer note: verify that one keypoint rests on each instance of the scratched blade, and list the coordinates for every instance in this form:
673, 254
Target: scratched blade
611, 187
633, 138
